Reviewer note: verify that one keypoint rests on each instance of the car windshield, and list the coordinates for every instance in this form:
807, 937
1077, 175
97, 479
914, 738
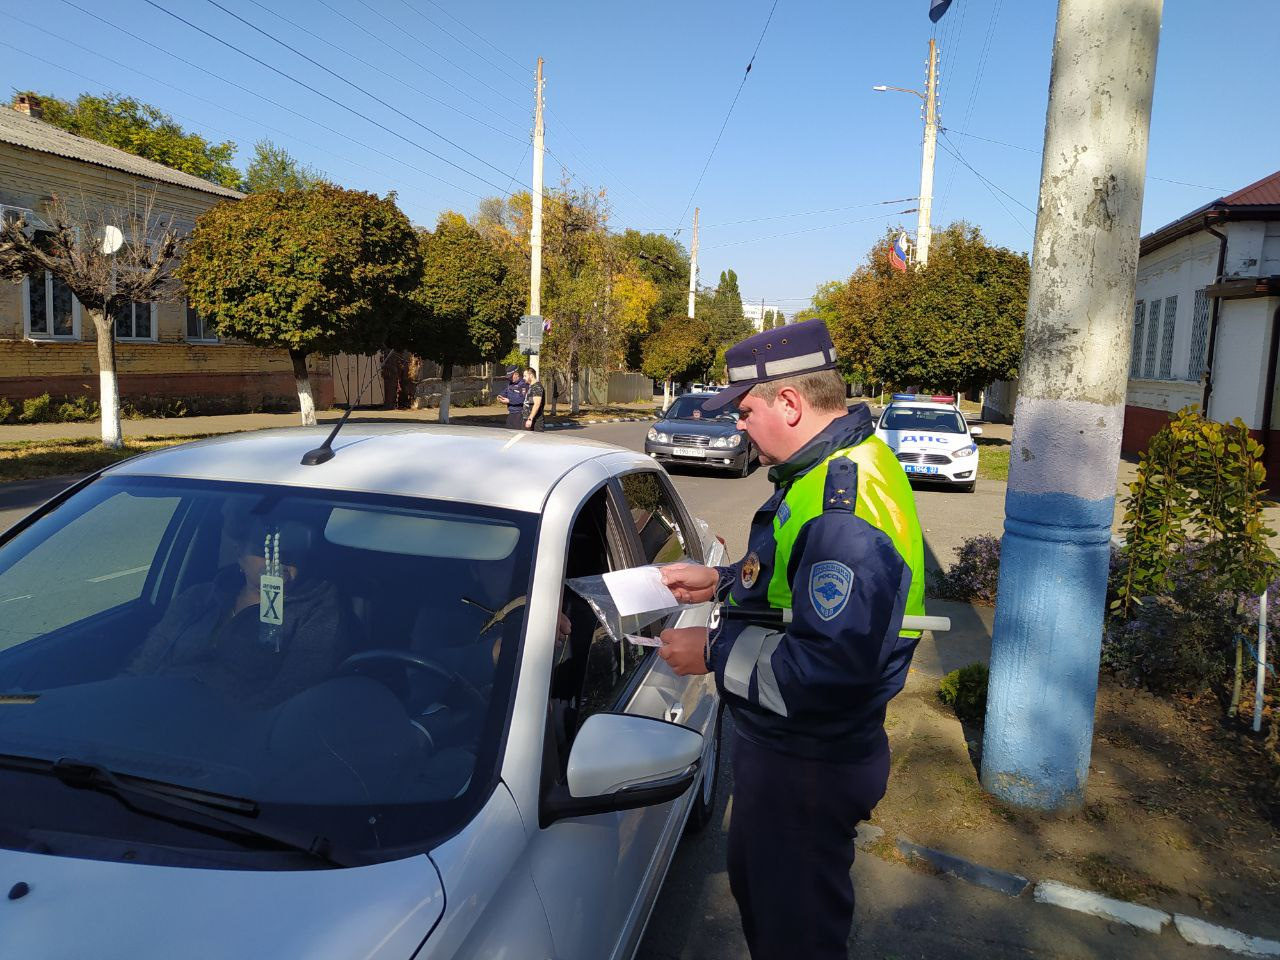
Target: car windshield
936, 420
690, 408
343, 661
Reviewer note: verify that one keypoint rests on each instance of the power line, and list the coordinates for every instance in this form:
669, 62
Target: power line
188, 93
415, 63
991, 187
742, 83
469, 49
793, 233
474, 34
977, 83
810, 213
374, 67
1031, 150
424, 44
266, 99
355, 86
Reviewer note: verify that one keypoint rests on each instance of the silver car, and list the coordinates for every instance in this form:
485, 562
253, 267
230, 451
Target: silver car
256, 707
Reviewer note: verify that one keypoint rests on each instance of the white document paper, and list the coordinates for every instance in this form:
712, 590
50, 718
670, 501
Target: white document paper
640, 641
639, 590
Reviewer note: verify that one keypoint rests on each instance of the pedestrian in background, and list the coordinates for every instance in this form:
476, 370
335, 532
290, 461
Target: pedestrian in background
512, 397
534, 400
839, 549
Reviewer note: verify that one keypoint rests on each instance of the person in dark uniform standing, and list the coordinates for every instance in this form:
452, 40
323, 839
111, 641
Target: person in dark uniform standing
535, 401
807, 645
512, 396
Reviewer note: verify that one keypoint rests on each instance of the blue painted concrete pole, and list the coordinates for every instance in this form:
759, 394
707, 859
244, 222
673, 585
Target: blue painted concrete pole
1070, 409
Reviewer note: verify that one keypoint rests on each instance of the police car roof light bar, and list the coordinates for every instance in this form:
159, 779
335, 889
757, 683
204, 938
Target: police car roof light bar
925, 397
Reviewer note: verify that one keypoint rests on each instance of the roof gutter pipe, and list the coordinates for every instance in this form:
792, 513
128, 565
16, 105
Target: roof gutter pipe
1213, 320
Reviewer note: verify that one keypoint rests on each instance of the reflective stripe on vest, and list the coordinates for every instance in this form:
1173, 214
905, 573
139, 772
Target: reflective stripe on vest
884, 500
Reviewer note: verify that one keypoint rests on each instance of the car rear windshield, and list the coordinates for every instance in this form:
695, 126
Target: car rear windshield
923, 418
690, 408
343, 661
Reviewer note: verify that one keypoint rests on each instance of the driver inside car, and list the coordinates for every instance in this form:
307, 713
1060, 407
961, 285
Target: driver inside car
221, 633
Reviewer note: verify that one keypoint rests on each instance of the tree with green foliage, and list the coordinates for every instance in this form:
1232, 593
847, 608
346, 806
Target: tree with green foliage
274, 168
677, 350
467, 304
665, 264
324, 271
728, 323
143, 130
955, 324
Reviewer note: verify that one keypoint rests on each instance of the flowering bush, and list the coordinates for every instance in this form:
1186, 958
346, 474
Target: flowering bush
974, 575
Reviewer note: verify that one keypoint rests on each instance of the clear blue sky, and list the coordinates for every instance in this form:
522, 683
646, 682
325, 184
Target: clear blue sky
637, 93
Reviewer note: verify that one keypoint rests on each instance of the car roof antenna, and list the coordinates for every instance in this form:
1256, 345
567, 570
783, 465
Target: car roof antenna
324, 453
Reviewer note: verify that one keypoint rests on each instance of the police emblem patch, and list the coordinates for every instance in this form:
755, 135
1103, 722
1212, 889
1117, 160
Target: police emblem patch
784, 513
750, 570
830, 583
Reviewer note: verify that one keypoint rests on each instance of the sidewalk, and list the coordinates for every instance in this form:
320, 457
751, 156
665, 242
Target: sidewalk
1173, 826
494, 415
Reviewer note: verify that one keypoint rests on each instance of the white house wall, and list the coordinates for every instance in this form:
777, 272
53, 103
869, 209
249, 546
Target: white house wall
1180, 269
1240, 360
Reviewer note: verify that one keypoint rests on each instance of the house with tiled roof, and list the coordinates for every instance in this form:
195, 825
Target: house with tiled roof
1206, 319
165, 352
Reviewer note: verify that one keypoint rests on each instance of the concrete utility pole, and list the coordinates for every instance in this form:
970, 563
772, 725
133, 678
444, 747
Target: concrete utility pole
1070, 410
693, 263
924, 225
535, 230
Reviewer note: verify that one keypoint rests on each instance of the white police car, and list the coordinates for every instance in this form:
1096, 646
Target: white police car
931, 438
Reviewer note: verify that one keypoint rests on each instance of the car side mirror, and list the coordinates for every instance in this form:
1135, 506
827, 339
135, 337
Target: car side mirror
975, 431
621, 762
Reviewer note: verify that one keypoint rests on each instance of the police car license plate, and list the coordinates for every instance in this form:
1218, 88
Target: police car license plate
913, 468
689, 452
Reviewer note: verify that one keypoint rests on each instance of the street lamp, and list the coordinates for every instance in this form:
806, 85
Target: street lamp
924, 227
881, 88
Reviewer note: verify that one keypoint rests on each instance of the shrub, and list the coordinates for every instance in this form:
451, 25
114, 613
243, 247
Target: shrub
39, 410
965, 690
975, 574
78, 410
6, 410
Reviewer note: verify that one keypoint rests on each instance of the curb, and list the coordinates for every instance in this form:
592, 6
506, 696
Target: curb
585, 423
1010, 884
1194, 931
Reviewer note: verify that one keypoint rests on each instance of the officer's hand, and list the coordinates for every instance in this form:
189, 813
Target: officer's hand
690, 582
684, 649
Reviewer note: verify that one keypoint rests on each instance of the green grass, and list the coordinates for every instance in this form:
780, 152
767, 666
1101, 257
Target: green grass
34, 459
993, 462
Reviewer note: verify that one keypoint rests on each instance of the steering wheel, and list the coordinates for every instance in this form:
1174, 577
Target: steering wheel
414, 661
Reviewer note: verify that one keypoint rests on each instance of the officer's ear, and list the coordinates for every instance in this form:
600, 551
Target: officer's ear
790, 404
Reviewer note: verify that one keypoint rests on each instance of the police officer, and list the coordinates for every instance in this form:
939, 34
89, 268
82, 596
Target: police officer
807, 646
512, 397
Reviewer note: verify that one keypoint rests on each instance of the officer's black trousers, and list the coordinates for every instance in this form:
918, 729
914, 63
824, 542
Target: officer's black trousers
791, 848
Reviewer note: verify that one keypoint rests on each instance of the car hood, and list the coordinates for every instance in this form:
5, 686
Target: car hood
77, 908
923, 441
701, 428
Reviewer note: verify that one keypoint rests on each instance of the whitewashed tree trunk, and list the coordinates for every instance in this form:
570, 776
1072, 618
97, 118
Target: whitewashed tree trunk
446, 390
108, 387
302, 379
666, 394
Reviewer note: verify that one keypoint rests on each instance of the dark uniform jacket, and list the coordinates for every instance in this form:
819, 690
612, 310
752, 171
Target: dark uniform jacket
838, 544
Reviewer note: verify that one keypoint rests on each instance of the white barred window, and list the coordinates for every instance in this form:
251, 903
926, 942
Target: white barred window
1166, 341
1135, 353
1153, 338
1199, 336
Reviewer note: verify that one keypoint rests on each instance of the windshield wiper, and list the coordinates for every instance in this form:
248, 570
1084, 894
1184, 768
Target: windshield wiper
236, 812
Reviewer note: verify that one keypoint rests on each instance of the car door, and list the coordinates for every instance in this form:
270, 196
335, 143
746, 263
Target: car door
598, 875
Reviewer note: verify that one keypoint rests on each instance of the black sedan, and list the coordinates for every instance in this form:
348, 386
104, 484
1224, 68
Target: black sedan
687, 435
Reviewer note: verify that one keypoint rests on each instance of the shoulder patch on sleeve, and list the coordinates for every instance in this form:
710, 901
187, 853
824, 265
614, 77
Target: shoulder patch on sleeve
830, 583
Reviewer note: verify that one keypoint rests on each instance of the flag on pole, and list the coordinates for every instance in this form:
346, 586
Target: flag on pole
898, 255
937, 8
